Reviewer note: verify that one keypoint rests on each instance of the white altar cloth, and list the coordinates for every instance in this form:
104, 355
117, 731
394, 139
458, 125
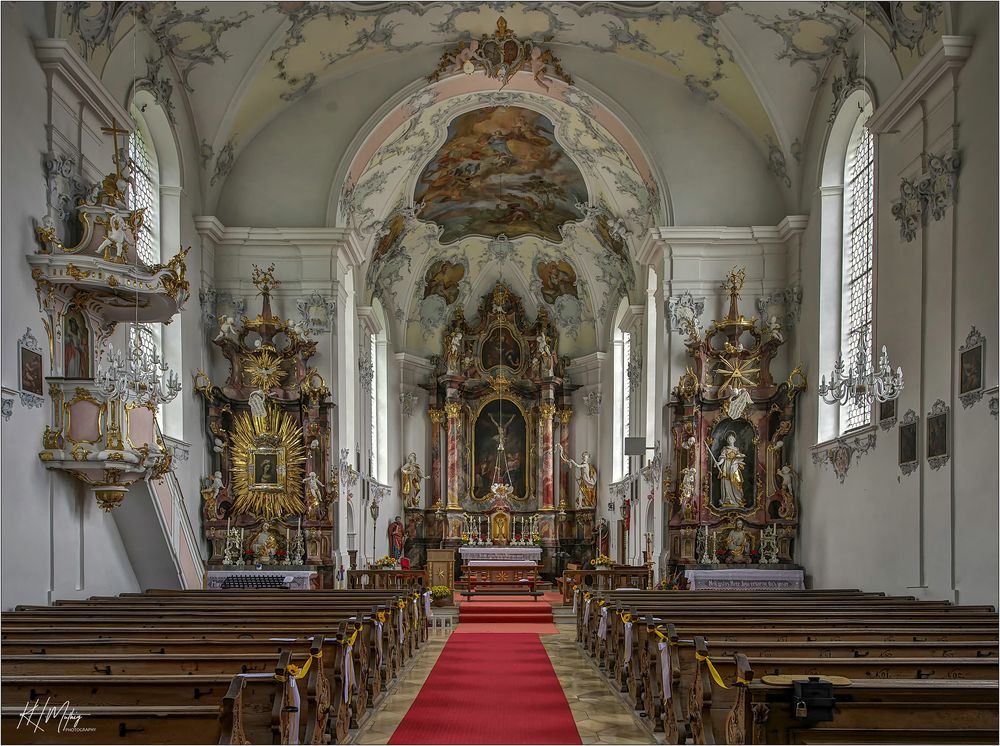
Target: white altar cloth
297, 580
502, 563
745, 579
533, 554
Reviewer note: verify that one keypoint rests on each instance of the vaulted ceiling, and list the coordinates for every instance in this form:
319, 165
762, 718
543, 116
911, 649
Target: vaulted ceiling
457, 181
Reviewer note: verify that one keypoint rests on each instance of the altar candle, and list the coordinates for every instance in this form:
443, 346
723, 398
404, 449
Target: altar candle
287, 530
228, 525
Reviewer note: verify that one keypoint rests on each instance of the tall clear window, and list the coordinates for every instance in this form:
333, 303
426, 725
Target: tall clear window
621, 425
373, 406
145, 192
858, 251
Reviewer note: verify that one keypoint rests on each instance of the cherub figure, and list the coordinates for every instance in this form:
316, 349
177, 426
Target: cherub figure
113, 246
227, 327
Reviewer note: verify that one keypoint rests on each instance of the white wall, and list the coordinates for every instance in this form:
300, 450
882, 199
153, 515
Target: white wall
56, 542
932, 533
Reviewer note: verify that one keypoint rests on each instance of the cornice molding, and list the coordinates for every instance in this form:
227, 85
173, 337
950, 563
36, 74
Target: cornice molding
947, 56
340, 241
56, 56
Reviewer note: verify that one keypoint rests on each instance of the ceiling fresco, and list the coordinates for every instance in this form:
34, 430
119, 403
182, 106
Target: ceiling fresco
240, 64
500, 170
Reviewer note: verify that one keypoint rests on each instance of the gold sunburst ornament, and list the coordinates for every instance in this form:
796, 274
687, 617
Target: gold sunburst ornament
268, 458
737, 372
265, 370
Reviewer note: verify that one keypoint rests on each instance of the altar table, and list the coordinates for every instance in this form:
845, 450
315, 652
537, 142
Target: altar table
745, 579
297, 580
533, 554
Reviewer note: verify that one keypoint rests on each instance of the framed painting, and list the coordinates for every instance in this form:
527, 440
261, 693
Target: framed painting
29, 370
887, 414
76, 345
909, 456
500, 348
971, 375
500, 421
938, 444
268, 468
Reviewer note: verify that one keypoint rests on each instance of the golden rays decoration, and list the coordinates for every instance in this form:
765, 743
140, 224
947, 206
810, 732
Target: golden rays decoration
737, 373
265, 370
268, 460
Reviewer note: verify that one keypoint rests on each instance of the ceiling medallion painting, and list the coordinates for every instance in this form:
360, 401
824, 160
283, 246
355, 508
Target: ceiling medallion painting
500, 170
500, 57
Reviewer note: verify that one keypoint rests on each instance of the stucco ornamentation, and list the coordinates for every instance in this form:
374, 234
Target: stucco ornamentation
790, 300
843, 452
928, 195
684, 312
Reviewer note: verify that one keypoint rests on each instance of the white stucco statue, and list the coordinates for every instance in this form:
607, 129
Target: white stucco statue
227, 327
258, 405
314, 488
411, 476
114, 239
586, 476
774, 329
730, 464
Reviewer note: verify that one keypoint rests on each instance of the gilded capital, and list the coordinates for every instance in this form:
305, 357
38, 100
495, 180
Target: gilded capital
436, 415
547, 411
564, 415
453, 410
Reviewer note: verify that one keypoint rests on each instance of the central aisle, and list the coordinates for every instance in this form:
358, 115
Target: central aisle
490, 689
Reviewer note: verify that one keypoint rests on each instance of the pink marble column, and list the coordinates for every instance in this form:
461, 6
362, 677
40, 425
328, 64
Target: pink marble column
564, 416
436, 416
547, 412
454, 411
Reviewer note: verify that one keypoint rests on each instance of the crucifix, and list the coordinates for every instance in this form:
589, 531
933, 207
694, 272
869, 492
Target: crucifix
114, 130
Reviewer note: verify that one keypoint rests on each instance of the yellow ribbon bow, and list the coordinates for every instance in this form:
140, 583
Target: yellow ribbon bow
711, 669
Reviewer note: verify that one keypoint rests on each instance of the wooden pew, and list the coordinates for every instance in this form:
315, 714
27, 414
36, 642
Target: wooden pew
884, 711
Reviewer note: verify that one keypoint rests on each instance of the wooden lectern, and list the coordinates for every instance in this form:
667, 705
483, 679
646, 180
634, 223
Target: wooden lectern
441, 567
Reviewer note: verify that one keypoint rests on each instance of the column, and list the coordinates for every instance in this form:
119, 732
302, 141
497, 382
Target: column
454, 412
564, 417
547, 412
436, 415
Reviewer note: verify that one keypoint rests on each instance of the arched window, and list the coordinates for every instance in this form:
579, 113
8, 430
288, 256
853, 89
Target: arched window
858, 256
145, 194
378, 398
847, 262
622, 424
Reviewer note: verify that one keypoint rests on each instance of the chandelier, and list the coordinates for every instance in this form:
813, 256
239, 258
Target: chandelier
141, 378
862, 384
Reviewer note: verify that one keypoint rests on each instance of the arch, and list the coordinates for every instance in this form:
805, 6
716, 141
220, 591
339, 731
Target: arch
844, 134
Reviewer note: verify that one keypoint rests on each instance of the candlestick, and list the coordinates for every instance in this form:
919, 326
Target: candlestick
229, 522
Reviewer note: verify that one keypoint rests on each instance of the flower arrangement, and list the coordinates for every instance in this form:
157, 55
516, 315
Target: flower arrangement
280, 554
248, 555
440, 591
384, 563
602, 560
754, 555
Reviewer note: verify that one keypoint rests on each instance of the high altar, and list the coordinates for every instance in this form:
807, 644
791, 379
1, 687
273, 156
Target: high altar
734, 502
497, 394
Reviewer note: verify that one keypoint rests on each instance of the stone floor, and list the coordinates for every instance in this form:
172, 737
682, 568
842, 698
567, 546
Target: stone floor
599, 714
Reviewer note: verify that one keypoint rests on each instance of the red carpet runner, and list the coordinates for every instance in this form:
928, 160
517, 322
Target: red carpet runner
504, 611
490, 689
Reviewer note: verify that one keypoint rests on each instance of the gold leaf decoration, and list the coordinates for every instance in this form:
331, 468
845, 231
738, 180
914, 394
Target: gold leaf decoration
268, 458
265, 370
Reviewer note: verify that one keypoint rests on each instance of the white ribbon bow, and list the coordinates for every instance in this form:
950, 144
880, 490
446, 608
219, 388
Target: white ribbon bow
665, 669
427, 604
602, 628
378, 632
628, 643
576, 598
348, 673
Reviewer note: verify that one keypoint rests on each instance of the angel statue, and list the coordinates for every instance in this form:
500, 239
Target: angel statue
314, 489
114, 240
774, 329
586, 478
545, 358
410, 476
730, 464
227, 327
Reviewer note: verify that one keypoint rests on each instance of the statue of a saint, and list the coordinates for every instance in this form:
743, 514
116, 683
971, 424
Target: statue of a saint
730, 464
586, 477
545, 358
410, 475
687, 492
210, 493
501, 529
739, 541
603, 537
396, 536
453, 355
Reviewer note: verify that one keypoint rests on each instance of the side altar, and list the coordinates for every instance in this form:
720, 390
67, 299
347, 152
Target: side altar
734, 504
499, 420
267, 504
